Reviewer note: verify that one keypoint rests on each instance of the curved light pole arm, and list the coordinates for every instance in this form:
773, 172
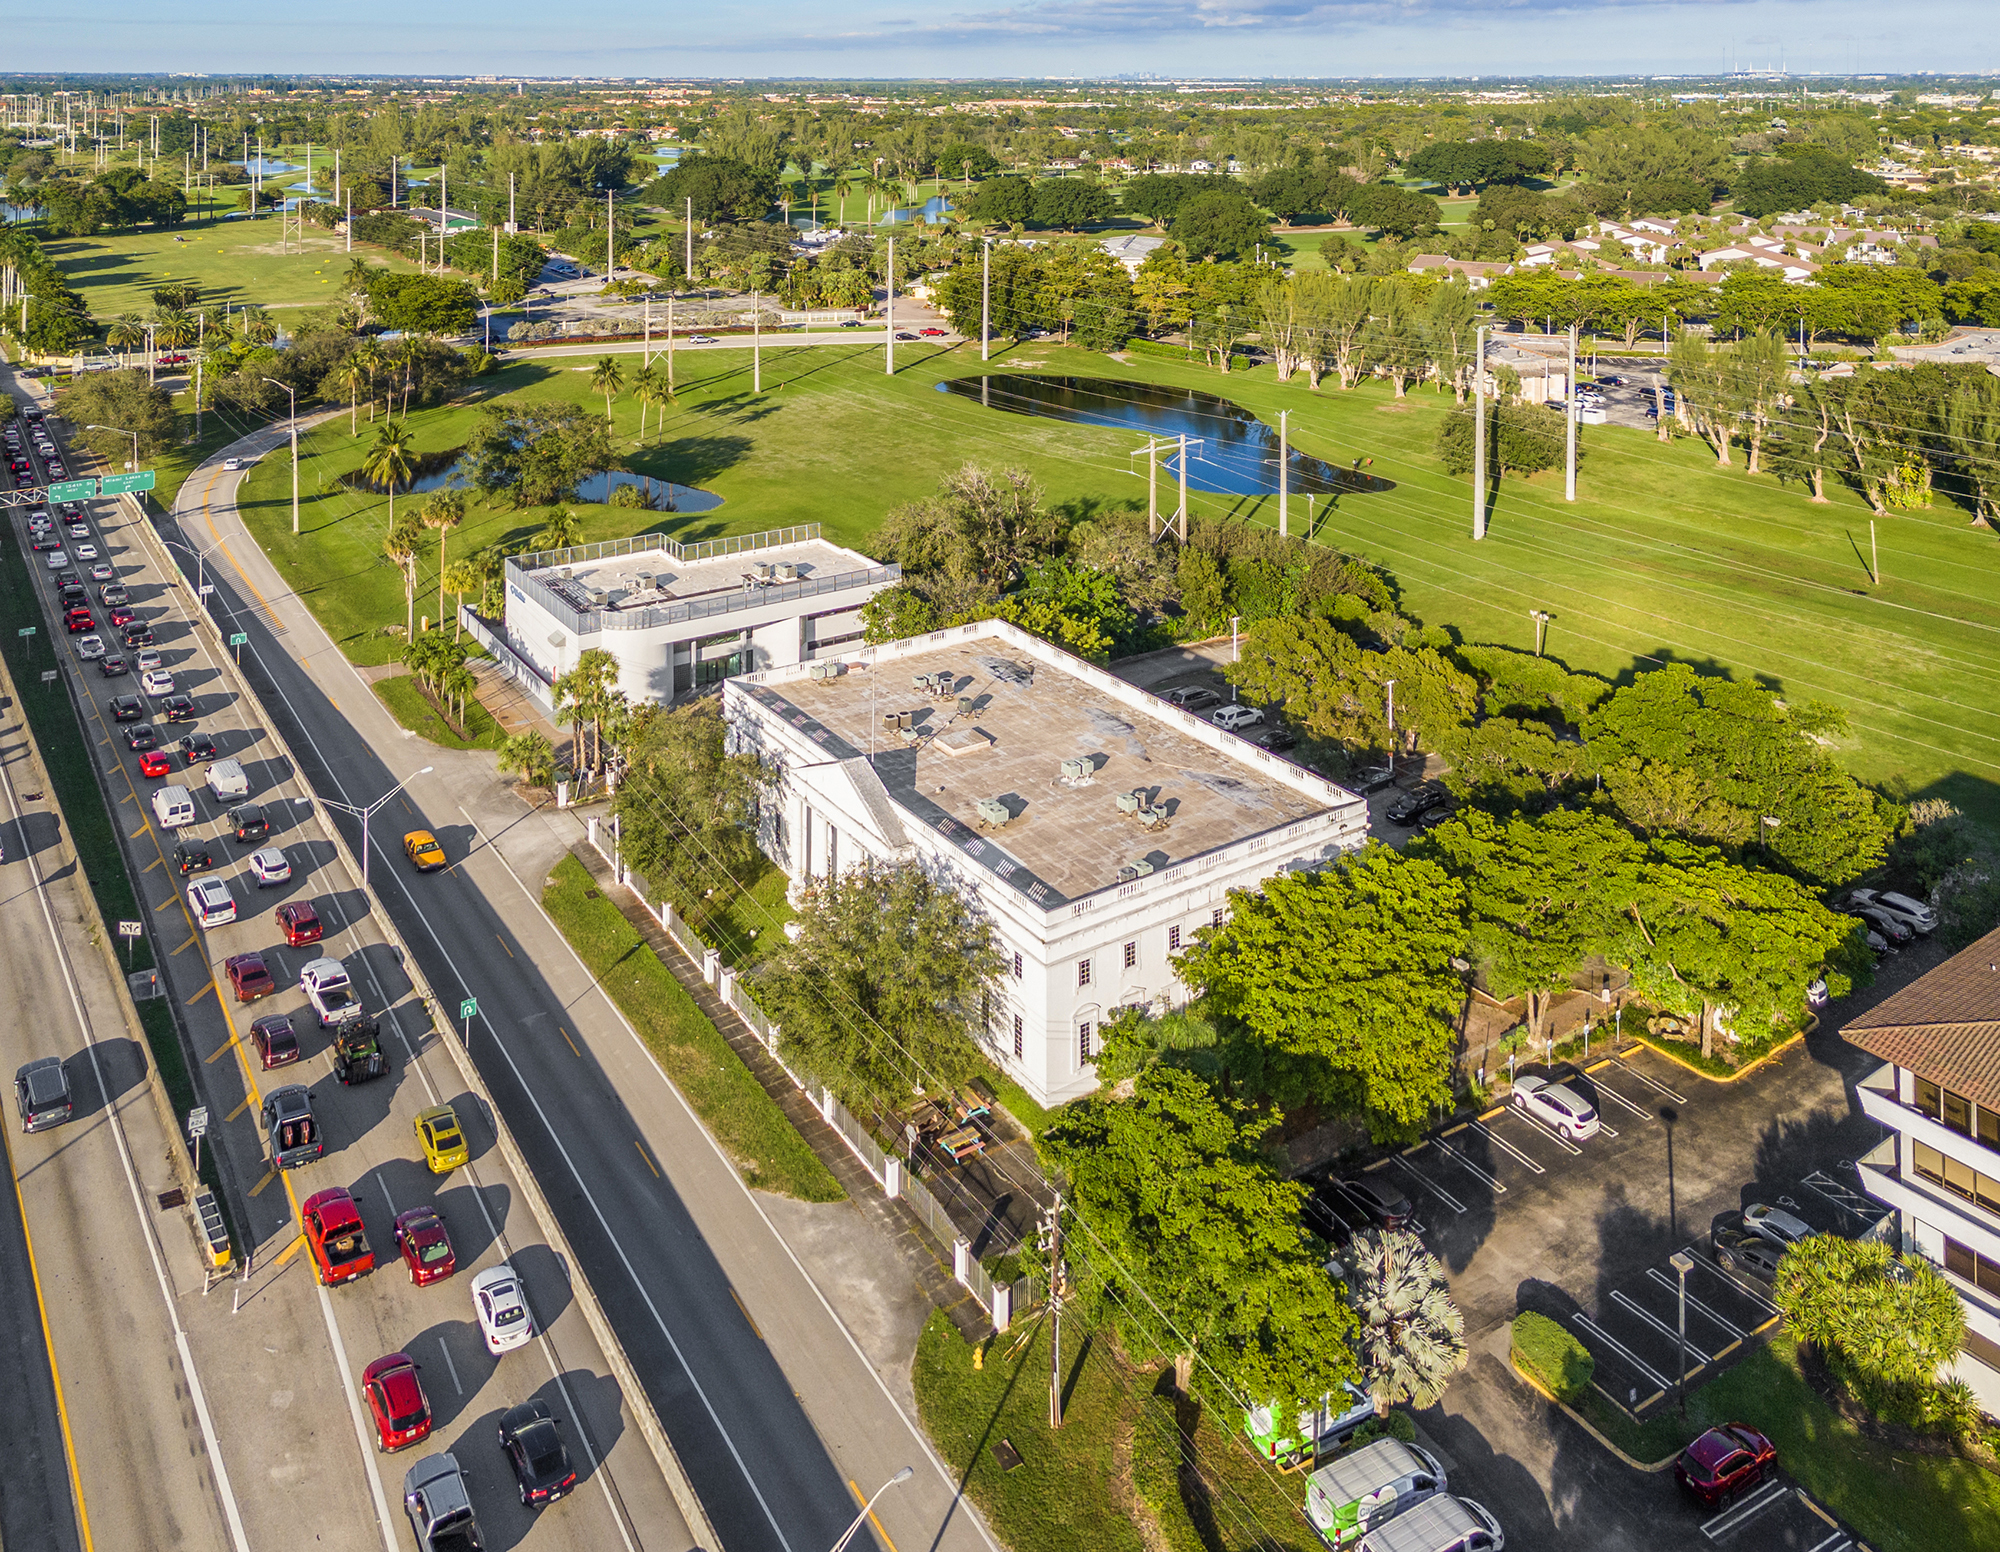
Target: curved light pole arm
867, 1508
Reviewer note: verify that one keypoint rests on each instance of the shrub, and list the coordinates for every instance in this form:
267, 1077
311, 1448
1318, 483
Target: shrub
1522, 439
1552, 1355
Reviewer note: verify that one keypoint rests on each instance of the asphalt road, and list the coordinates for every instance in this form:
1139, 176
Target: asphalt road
770, 1401
312, 1342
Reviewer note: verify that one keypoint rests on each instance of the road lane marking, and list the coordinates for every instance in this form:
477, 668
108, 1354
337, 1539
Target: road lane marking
1507, 1147
223, 1050
642, 1154
1623, 1351
152, 865
244, 1105
187, 945
861, 1499
450, 1367
133, 835
569, 1042
1659, 1325
269, 1176
298, 1243
170, 899
379, 1181
197, 998
503, 943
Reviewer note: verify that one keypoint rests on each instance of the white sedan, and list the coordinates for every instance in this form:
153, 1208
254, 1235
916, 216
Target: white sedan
56, 559
1776, 1225
269, 865
90, 646
1555, 1105
157, 681
703, 339
86, 552
502, 1309
211, 902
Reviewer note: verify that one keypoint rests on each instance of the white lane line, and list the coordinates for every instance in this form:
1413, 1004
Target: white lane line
450, 1367
1665, 1330
195, 1392
378, 1174
1652, 1083
1837, 1542
1727, 1521
1437, 1191
1623, 1351
1444, 1147
1507, 1147
1606, 1091
1668, 1283
390, 1535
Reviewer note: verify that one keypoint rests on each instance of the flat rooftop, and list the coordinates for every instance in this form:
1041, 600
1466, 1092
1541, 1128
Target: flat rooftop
1027, 719
672, 581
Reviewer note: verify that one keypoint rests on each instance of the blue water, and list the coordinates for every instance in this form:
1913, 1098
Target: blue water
596, 489
934, 208
1238, 455
264, 166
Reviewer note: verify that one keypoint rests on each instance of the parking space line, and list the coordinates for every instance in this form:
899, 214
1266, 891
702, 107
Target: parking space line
1652, 1083
1722, 1524
1431, 1186
1630, 1308
1505, 1146
1548, 1131
1741, 1287
1610, 1093
269, 1176
1837, 1542
1623, 1351
1465, 1163
1667, 1283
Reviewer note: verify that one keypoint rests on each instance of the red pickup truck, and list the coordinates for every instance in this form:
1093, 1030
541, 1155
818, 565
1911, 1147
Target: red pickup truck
335, 1238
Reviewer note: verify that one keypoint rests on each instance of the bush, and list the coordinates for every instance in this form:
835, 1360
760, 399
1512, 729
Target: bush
1552, 1355
1399, 1426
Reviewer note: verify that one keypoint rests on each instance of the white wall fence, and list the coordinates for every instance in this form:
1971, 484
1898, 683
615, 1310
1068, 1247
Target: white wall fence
1000, 1300
511, 663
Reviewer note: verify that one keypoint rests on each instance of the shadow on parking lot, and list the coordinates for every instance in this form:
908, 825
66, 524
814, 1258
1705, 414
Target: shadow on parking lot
1492, 1477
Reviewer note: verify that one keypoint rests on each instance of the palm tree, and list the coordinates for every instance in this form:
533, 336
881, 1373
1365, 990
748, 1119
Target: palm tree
532, 755
458, 684
841, 189
464, 575
607, 378
404, 357
126, 333
359, 273
560, 532
401, 547
645, 388
174, 330
368, 354
444, 512
1412, 1336
257, 326
390, 461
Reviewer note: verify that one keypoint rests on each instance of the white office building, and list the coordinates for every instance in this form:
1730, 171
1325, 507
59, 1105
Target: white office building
1097, 826
1938, 1093
681, 617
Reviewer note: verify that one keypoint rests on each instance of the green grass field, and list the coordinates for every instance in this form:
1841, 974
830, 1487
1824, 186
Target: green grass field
1663, 557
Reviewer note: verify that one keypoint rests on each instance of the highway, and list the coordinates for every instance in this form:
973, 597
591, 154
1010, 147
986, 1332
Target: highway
285, 1352
781, 1415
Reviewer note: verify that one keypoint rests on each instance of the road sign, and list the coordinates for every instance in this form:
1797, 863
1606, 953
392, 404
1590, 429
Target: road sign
125, 484
207, 588
131, 929
197, 1122
50, 676
468, 1008
25, 630
73, 490
238, 639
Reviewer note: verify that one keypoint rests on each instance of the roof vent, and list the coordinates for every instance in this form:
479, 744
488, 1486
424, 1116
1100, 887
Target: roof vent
1134, 870
645, 579
761, 570
1130, 802
965, 705
787, 572
920, 681
993, 813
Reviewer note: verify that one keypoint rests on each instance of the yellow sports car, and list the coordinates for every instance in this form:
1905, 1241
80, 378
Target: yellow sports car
443, 1141
422, 848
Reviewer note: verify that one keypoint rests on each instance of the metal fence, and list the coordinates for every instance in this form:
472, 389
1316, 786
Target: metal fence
842, 1120
586, 622
517, 668
929, 1210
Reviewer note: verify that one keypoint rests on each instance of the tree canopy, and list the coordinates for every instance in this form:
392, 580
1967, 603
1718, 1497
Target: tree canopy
722, 188
534, 453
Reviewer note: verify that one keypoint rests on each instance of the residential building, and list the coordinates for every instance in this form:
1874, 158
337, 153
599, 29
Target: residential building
1938, 1093
1097, 827
681, 617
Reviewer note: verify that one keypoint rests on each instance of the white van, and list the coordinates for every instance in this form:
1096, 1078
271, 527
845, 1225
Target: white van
1230, 718
173, 807
1440, 1524
227, 781
1371, 1486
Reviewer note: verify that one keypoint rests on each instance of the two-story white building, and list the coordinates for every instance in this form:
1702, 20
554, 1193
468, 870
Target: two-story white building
1938, 1093
681, 617
1096, 826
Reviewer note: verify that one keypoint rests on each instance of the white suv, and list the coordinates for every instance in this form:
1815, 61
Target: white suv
1231, 718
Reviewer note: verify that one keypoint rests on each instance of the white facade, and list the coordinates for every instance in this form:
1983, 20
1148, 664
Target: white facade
1089, 903
680, 617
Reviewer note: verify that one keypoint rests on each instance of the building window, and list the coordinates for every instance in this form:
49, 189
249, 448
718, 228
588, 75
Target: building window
1216, 919
1958, 1178
1956, 1112
1173, 940
1131, 955
1017, 964
1984, 1349
1083, 1043
1083, 972
1983, 1272
1020, 1039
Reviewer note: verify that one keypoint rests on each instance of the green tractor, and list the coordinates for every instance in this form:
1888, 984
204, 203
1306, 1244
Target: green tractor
357, 1051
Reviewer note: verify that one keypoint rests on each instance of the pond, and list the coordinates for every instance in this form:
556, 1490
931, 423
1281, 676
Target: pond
934, 209
596, 490
265, 166
1238, 455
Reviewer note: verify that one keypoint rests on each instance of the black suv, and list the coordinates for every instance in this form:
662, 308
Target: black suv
127, 708
198, 746
1407, 810
192, 857
250, 822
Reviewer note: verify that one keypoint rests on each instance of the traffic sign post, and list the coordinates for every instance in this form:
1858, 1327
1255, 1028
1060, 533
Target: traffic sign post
51, 675
126, 484
197, 1129
466, 1010
26, 633
239, 640
128, 930
74, 490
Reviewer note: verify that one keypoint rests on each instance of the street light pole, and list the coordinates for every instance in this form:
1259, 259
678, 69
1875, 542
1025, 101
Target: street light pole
369, 812
1284, 470
985, 296
1390, 686
122, 432
860, 1519
1682, 1263
294, 419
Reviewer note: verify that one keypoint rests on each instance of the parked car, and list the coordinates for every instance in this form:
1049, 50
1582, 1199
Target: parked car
425, 1246
1892, 929
249, 977
1412, 806
1193, 697
299, 922
1350, 1497
1556, 1105
335, 1237
502, 1309
1338, 1205
41, 1094
1314, 1431
1724, 1462
531, 1439
1232, 718
211, 902
442, 1139
1914, 914
1775, 1225
274, 1040
1739, 1250
290, 1127
1442, 1523
397, 1403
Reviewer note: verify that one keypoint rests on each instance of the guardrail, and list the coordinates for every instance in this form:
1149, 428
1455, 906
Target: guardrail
615, 1356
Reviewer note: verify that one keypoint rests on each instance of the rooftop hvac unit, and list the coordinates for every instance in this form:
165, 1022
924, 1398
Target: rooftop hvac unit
1077, 770
965, 705
761, 570
1129, 802
599, 598
645, 579
993, 812
566, 572
1134, 870
787, 572
1152, 818
920, 681
819, 671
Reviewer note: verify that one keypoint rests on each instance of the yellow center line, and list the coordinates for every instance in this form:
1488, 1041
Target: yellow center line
269, 1176
246, 1098
859, 1496
503, 943
569, 1042
649, 1163
746, 1316
197, 998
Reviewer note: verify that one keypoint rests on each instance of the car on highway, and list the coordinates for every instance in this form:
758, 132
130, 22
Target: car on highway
357, 1051
178, 708
91, 646
531, 1439
211, 903
1412, 806
397, 1403
1738, 1250
249, 977
248, 822
157, 681
291, 1128
57, 559
425, 1246
231, 465
197, 746
156, 763
931, 333
502, 1309
149, 658
422, 848
299, 922
103, 571
114, 594
127, 708
439, 1506
45, 541
77, 621
330, 991
141, 736
1776, 1225
41, 1094
274, 1040
1556, 1105
335, 1237
124, 618
703, 339
192, 857
1723, 1463
442, 1139
269, 865
136, 633
85, 551
1194, 697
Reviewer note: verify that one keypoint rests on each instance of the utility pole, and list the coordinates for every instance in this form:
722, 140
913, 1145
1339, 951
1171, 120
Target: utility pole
1390, 686
1569, 465
1479, 435
889, 315
670, 344
350, 220
1874, 554
985, 296
646, 341
610, 240
1682, 1263
756, 343
1182, 514
1152, 452
1541, 617
1055, 1313
1284, 470
690, 240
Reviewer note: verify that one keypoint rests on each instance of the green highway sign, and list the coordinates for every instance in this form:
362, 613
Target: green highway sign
239, 639
73, 490
125, 484
25, 630
468, 1008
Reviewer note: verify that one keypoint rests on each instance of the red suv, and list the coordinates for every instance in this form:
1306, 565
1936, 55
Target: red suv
249, 977
299, 923
1723, 1462
78, 620
397, 1401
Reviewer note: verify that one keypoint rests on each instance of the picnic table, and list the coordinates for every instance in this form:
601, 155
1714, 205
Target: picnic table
963, 1143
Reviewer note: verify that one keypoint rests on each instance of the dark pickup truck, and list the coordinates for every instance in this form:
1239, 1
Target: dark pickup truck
357, 1051
291, 1127
439, 1506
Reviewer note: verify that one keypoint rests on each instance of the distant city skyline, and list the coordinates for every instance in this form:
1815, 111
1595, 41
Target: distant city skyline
876, 40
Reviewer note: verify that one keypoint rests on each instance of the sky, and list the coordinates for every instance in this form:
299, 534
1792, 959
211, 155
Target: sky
888, 39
